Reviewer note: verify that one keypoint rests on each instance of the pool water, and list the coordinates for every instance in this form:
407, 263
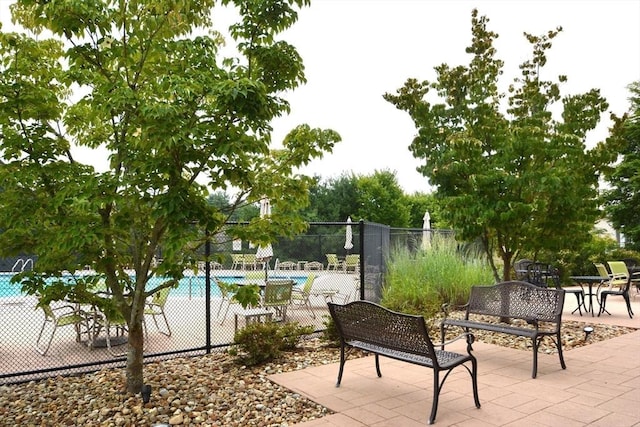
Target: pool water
190, 286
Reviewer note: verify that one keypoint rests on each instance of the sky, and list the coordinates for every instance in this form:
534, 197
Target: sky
354, 51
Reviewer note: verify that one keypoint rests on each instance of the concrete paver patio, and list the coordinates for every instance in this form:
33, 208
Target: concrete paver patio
600, 387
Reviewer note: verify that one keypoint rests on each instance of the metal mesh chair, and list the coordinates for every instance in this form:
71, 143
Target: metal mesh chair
277, 296
155, 308
300, 297
623, 292
545, 276
59, 317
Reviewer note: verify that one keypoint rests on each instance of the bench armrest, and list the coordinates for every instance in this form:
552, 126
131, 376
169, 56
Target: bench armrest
446, 308
467, 335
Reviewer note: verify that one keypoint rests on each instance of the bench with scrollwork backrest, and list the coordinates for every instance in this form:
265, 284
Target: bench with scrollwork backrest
373, 328
490, 307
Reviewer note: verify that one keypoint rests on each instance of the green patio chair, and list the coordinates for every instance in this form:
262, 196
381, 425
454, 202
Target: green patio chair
333, 262
59, 317
351, 263
300, 296
155, 308
277, 296
227, 293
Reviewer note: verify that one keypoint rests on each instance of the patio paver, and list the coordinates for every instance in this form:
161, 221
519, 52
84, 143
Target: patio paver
600, 387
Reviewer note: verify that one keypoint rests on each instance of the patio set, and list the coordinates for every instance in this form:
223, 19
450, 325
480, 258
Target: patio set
90, 322
615, 281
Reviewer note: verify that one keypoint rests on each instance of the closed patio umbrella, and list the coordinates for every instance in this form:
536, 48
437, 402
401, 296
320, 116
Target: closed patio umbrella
426, 231
264, 253
348, 241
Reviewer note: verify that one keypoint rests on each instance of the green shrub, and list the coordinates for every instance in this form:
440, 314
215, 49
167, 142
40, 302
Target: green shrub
330, 333
259, 342
419, 283
290, 334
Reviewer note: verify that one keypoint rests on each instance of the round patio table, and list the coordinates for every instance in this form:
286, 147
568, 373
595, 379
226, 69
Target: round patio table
589, 281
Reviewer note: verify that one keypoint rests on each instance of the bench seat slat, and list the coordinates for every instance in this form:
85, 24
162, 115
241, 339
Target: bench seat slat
445, 358
493, 327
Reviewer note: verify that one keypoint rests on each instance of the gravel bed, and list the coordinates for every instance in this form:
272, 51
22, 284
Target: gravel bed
211, 390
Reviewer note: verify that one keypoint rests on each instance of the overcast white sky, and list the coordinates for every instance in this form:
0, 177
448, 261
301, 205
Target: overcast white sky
356, 50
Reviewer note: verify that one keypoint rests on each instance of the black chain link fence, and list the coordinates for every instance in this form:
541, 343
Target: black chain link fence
197, 317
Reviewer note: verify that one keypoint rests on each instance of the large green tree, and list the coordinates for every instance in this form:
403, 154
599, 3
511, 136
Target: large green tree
623, 198
380, 199
518, 177
144, 81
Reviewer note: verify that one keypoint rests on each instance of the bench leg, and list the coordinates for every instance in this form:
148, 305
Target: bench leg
628, 301
559, 346
536, 343
437, 386
474, 380
342, 361
378, 365
436, 395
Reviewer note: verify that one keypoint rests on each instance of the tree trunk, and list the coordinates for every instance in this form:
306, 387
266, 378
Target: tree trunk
135, 357
506, 270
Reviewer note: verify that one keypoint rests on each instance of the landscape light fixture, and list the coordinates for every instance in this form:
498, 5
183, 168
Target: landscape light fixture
146, 393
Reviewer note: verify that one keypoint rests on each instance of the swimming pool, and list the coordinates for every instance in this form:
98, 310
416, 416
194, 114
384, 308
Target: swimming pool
189, 286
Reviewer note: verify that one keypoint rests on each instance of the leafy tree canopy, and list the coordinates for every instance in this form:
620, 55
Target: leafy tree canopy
145, 81
623, 199
518, 179
381, 199
377, 198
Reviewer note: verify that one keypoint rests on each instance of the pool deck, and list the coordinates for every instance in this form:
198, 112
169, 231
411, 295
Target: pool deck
20, 323
600, 387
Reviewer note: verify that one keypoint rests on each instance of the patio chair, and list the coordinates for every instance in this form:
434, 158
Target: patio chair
277, 296
326, 287
114, 325
155, 308
251, 261
237, 261
539, 274
607, 282
59, 317
286, 265
351, 263
300, 297
520, 268
354, 292
333, 262
620, 271
545, 275
313, 265
227, 291
623, 292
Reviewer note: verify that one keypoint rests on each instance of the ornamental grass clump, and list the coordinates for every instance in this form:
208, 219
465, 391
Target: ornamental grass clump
420, 282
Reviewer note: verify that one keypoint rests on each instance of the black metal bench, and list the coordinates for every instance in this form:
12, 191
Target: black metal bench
540, 309
373, 328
